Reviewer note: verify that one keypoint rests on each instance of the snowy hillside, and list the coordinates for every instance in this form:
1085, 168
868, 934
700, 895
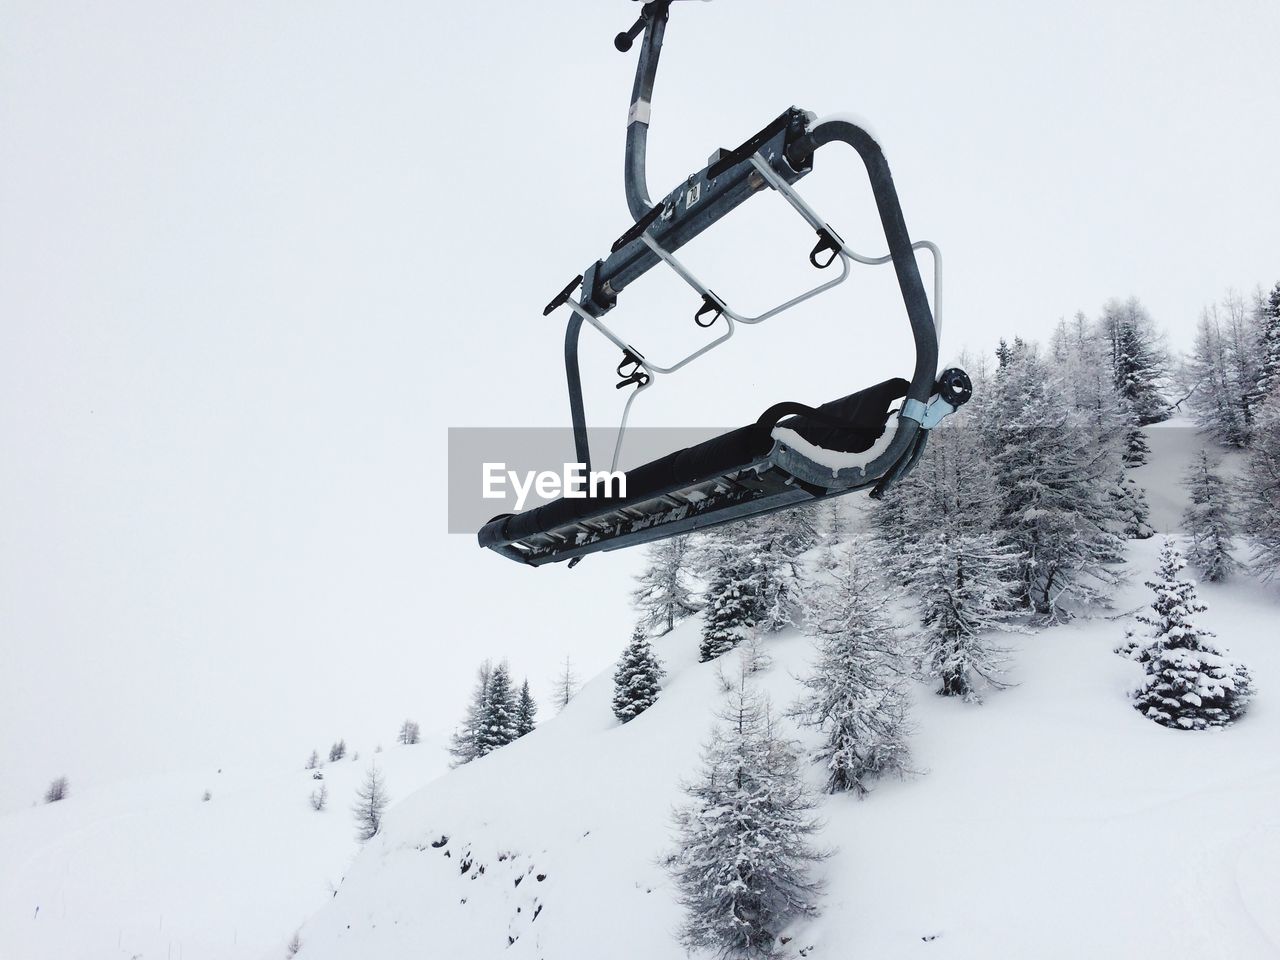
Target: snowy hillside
1051, 821
148, 868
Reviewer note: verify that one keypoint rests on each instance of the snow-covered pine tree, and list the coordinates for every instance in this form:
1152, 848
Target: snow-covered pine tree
636, 681
942, 542
371, 801
855, 689
743, 859
1267, 324
663, 595
526, 711
498, 719
464, 745
1222, 372
1260, 489
1208, 520
338, 751
1134, 443
1132, 514
1139, 359
734, 604
1082, 363
1051, 476
1190, 685
780, 539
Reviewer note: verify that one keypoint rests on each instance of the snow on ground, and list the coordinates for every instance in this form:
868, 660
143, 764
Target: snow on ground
147, 869
1051, 821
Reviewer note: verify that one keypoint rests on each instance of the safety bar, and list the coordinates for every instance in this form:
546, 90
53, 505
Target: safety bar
778, 156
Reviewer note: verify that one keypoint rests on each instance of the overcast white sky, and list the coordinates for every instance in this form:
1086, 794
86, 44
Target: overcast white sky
256, 258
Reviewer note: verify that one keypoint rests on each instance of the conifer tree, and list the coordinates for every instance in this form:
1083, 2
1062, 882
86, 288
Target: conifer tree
1223, 371
465, 745
948, 551
1267, 322
855, 690
1134, 443
733, 595
1208, 520
1132, 514
958, 619
1139, 360
371, 801
636, 682
778, 540
1051, 477
498, 719
663, 596
743, 860
526, 711
410, 733
1260, 490
1190, 685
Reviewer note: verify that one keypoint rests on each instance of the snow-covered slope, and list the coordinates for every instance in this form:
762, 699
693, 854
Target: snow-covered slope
1050, 821
147, 868
1174, 446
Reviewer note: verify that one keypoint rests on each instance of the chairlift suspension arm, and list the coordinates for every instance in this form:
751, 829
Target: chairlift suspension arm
754, 470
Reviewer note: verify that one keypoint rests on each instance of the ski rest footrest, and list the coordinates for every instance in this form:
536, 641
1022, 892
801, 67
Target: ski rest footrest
729, 477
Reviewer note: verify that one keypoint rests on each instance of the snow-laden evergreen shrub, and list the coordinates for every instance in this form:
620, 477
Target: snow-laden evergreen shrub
1190, 685
1208, 520
855, 690
637, 680
743, 859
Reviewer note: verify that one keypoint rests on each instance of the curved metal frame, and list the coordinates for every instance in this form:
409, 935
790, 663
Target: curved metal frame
789, 159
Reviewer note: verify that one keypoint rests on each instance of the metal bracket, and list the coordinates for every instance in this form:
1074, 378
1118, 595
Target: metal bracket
935, 412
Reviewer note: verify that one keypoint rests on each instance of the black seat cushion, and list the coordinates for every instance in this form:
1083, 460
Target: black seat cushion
863, 415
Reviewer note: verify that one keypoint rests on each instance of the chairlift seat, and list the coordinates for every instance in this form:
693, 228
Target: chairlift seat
735, 463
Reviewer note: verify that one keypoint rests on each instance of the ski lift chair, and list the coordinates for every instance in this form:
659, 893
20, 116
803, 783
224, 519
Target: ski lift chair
793, 454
